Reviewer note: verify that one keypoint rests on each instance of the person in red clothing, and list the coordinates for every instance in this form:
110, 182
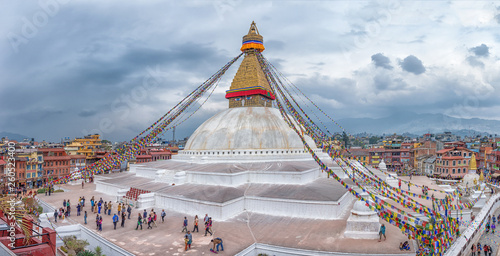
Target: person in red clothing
399, 183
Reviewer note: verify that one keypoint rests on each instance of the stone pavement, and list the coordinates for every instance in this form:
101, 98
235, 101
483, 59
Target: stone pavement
238, 233
491, 239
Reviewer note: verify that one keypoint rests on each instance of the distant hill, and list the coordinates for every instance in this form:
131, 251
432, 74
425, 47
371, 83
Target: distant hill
13, 136
420, 124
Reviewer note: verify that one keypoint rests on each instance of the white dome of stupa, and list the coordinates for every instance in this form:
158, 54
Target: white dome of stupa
246, 128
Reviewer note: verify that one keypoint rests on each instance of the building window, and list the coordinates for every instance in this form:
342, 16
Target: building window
453, 171
453, 164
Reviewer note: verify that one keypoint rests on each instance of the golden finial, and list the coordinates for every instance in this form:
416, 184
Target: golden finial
253, 40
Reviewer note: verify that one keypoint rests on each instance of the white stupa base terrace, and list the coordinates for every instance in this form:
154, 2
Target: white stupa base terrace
293, 188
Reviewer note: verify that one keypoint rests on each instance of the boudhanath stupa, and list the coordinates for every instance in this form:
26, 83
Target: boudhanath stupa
247, 159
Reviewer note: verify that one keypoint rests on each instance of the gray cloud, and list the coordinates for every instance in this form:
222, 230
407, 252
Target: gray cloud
381, 61
65, 79
413, 65
473, 61
480, 51
87, 113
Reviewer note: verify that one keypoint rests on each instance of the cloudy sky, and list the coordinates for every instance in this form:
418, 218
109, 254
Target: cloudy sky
69, 68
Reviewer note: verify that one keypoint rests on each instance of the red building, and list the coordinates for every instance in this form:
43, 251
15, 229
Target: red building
453, 162
56, 163
493, 161
153, 154
376, 155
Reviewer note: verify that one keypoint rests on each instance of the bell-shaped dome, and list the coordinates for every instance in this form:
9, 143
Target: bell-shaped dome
246, 128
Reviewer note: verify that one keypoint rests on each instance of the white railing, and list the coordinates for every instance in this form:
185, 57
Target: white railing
473, 233
258, 248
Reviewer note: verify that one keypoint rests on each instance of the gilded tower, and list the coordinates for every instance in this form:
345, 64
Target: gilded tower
250, 87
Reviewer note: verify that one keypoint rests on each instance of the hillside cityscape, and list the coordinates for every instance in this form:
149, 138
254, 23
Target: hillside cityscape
40, 162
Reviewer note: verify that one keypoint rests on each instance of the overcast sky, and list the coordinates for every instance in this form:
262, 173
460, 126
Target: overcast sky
69, 68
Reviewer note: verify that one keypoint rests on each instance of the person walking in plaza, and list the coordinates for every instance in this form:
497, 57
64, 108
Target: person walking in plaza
119, 208
206, 219
85, 217
97, 221
115, 220
139, 221
144, 216
109, 208
56, 214
189, 240
123, 218
210, 224
68, 211
99, 205
154, 219
64, 203
129, 210
196, 224
150, 220
184, 225
382, 233
485, 249
92, 205
82, 184
83, 201
493, 228
100, 223
163, 214
399, 183
78, 208
473, 250
207, 229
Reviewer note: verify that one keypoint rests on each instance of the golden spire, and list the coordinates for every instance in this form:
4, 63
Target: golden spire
250, 87
481, 177
472, 163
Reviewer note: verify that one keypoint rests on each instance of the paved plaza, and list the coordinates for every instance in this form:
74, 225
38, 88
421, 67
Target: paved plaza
237, 233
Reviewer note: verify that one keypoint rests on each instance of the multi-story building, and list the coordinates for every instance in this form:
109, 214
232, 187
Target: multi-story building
426, 148
376, 155
72, 148
493, 161
362, 155
78, 162
3, 175
429, 165
405, 154
153, 154
481, 157
31, 167
453, 162
88, 145
57, 163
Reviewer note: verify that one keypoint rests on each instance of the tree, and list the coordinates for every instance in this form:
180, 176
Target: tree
345, 138
374, 140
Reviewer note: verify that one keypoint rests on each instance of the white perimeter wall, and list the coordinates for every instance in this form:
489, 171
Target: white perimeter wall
270, 206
